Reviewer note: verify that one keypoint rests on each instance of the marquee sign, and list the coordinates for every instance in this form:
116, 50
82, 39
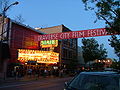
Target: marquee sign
73, 34
25, 55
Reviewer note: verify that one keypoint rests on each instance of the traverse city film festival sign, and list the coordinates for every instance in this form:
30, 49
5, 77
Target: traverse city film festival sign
73, 34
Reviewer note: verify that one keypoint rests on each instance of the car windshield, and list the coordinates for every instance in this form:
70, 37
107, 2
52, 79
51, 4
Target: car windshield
95, 82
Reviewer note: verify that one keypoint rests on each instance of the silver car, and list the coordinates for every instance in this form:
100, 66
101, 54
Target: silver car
94, 81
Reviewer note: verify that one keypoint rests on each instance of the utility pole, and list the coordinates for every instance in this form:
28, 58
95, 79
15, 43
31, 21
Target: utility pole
3, 33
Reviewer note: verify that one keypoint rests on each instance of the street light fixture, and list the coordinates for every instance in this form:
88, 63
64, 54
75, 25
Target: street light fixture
4, 16
6, 8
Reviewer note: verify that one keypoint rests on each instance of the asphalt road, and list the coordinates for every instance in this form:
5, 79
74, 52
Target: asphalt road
46, 84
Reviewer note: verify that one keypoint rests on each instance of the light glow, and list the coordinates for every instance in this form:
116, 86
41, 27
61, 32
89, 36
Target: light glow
49, 43
39, 56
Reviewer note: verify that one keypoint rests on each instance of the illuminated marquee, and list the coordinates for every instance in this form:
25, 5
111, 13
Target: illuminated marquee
49, 43
39, 56
73, 34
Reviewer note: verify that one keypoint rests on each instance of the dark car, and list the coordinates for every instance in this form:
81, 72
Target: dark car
94, 81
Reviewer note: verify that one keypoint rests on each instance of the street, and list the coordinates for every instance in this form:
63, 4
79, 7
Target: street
44, 84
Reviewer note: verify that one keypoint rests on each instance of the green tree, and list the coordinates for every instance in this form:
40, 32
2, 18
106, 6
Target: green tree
115, 43
92, 50
116, 65
108, 10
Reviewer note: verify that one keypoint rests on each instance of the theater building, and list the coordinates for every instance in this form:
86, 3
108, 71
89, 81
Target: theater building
67, 48
25, 51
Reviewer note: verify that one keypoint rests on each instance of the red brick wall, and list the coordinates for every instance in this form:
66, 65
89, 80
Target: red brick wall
21, 38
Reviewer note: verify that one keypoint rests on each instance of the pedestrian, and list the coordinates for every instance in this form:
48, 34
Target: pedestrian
30, 72
45, 73
61, 73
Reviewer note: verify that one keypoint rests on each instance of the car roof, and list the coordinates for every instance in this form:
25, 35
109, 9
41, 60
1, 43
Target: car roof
100, 73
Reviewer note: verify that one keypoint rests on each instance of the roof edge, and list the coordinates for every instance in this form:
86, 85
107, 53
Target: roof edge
27, 26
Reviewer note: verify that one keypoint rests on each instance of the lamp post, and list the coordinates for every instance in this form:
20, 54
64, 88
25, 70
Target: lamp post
5, 9
3, 31
4, 16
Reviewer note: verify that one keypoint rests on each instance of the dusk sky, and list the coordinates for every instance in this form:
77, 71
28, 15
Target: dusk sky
48, 13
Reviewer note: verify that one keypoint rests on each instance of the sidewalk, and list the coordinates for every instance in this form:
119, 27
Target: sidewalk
26, 79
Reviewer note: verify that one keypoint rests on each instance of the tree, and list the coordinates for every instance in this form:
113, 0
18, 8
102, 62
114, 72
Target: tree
92, 50
108, 10
115, 43
116, 65
19, 19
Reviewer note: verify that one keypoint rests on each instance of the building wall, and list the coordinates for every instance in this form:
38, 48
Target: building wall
69, 50
55, 29
21, 38
67, 47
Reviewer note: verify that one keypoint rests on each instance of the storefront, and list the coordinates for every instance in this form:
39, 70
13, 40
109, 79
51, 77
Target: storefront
25, 52
38, 60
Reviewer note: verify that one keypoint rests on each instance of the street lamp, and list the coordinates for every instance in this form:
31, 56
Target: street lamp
6, 8
2, 38
4, 16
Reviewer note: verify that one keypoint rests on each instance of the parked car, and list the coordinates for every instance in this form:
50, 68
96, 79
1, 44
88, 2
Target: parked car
94, 81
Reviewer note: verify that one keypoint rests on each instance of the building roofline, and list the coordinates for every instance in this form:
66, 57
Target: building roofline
27, 26
54, 26
62, 26
48, 27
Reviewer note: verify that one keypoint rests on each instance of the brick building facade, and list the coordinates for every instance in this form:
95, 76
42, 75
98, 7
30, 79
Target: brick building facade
67, 47
19, 36
22, 37
16, 36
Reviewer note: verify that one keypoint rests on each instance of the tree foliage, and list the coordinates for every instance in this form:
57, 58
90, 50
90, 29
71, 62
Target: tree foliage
108, 10
92, 50
115, 43
116, 65
19, 19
